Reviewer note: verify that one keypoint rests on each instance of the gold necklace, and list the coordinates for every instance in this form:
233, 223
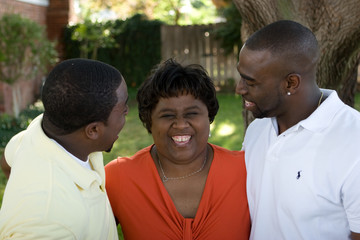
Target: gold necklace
164, 178
322, 94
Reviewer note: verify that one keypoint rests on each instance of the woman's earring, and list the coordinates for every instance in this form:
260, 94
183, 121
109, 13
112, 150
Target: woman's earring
288, 93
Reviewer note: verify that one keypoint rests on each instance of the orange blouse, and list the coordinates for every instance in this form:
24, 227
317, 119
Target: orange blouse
145, 210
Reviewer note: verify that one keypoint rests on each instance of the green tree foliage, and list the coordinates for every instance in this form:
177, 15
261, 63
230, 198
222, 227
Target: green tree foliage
10, 125
229, 32
174, 12
25, 52
94, 35
136, 50
181, 12
139, 48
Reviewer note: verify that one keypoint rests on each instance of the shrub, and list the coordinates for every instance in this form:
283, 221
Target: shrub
10, 125
25, 51
229, 32
92, 36
136, 50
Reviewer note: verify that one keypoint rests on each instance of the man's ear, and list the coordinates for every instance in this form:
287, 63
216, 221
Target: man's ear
293, 81
94, 130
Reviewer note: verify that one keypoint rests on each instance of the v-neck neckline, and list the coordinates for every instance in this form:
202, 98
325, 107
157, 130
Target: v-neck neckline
167, 195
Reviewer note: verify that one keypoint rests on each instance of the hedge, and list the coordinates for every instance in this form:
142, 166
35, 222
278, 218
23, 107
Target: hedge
137, 50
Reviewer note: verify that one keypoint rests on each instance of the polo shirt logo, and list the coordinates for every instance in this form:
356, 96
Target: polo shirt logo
298, 174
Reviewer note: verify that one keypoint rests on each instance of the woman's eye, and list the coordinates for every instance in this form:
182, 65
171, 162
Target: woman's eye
190, 114
166, 116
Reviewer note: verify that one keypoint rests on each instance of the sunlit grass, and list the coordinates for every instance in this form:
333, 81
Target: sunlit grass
228, 128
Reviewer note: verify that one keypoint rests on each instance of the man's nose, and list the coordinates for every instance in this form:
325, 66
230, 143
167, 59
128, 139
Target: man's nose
241, 87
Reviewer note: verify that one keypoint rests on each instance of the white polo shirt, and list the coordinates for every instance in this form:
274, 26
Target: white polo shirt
305, 182
50, 196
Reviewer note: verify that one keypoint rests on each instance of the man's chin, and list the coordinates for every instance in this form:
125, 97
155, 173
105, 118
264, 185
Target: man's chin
259, 114
109, 150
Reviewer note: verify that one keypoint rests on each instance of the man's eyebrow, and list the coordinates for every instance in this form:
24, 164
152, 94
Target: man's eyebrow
247, 77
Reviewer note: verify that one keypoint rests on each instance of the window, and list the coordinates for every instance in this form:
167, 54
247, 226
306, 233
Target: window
37, 2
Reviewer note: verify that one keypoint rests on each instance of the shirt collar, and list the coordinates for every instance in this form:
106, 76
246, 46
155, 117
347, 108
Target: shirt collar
81, 176
321, 117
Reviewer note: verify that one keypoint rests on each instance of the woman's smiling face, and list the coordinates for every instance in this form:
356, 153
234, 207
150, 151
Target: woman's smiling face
180, 128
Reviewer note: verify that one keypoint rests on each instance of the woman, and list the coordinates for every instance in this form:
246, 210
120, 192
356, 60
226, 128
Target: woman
181, 187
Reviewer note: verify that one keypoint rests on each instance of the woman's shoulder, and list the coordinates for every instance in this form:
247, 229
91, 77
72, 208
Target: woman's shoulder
229, 164
123, 162
224, 151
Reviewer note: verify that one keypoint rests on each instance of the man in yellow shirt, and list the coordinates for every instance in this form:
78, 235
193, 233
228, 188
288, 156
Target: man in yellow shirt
56, 188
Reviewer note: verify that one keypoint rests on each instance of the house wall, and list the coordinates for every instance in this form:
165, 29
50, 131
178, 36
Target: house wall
59, 14
55, 15
34, 12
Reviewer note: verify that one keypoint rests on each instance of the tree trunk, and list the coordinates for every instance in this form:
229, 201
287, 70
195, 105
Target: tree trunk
335, 24
17, 99
349, 87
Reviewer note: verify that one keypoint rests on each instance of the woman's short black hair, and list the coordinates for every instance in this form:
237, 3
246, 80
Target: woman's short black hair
171, 79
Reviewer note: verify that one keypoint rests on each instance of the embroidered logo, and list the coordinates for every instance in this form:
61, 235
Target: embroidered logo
298, 174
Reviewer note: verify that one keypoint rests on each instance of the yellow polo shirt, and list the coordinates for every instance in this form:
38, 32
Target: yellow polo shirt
50, 196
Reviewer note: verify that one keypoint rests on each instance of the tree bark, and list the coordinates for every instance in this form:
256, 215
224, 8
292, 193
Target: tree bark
335, 24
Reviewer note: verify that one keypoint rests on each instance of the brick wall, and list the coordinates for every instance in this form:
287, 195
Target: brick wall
29, 92
58, 15
55, 17
34, 12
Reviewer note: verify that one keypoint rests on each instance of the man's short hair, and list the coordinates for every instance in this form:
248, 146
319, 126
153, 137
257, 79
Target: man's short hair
282, 37
78, 92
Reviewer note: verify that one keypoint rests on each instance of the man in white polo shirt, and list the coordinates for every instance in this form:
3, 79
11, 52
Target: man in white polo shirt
302, 151
56, 188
